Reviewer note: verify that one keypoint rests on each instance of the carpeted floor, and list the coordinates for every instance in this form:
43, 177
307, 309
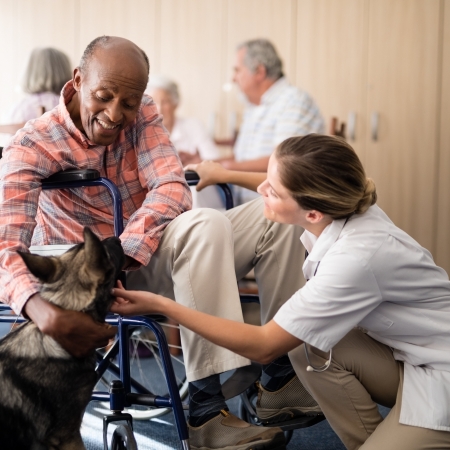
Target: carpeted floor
161, 433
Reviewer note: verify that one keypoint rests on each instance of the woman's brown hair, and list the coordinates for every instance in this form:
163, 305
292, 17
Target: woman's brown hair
324, 173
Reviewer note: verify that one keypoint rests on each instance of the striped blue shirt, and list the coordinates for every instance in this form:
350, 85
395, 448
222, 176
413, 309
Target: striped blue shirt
284, 111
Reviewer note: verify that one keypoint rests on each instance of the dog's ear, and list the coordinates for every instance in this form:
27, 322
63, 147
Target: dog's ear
95, 253
41, 267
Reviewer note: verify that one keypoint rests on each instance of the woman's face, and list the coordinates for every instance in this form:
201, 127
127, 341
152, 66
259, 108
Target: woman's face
279, 205
164, 103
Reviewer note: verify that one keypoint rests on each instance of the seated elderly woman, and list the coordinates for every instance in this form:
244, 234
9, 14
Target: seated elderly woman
188, 136
47, 71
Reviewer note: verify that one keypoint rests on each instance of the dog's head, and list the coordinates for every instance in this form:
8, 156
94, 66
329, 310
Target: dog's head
82, 278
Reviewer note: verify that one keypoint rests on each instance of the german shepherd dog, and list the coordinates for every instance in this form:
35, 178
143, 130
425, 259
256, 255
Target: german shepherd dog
44, 390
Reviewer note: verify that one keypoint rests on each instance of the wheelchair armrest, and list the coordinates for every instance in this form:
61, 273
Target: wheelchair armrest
72, 175
92, 174
191, 176
192, 179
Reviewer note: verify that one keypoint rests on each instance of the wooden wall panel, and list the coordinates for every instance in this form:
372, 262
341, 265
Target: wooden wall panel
442, 244
351, 55
27, 24
331, 59
191, 50
137, 20
11, 60
403, 75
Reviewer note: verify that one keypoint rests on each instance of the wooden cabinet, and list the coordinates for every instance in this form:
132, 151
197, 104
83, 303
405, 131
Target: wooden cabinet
442, 229
402, 111
380, 61
331, 60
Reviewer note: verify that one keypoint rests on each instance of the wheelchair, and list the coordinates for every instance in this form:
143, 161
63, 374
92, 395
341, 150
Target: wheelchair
132, 398
125, 391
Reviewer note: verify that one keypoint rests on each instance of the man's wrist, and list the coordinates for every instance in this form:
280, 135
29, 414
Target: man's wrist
129, 262
41, 312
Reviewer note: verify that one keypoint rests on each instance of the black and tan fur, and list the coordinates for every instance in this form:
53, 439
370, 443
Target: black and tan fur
44, 390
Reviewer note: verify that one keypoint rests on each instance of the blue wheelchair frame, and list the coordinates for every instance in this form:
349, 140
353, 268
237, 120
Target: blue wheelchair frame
120, 395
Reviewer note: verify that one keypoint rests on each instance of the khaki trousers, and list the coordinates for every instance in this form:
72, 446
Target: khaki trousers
201, 256
363, 372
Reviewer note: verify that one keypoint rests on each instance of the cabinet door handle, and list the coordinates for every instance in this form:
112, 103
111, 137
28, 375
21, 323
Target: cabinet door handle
374, 125
351, 125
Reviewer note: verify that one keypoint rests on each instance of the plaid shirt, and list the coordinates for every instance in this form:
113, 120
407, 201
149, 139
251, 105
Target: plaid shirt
142, 163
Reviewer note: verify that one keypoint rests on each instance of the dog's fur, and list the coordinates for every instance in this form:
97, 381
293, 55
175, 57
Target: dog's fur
44, 390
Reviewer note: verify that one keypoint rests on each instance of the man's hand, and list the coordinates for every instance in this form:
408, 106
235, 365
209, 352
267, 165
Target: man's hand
75, 331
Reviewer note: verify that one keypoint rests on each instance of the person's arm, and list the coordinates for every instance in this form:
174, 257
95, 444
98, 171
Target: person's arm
162, 181
251, 165
20, 188
22, 169
211, 172
75, 331
258, 343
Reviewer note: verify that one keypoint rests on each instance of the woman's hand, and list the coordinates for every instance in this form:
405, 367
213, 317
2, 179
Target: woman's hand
213, 172
132, 303
210, 172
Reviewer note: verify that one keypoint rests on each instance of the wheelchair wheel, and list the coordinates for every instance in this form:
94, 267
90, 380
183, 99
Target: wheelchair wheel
123, 439
147, 369
247, 409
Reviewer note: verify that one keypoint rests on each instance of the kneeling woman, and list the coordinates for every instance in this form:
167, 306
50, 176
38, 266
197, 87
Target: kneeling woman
372, 323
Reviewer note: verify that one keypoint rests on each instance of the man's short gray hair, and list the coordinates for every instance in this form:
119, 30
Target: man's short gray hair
48, 70
165, 83
262, 52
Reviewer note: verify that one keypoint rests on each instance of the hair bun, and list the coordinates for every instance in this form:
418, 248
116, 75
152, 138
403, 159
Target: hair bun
369, 197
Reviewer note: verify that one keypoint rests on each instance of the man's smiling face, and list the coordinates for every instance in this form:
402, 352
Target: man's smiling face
110, 91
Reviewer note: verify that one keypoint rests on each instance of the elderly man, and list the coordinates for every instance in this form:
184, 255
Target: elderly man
105, 122
275, 110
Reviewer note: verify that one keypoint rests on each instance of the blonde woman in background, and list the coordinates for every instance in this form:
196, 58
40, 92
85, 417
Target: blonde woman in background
188, 135
47, 71
371, 323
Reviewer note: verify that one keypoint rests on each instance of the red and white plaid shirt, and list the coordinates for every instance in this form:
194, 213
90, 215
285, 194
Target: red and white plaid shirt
142, 163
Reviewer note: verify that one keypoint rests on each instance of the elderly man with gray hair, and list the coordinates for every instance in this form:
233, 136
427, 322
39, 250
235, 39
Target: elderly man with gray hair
275, 111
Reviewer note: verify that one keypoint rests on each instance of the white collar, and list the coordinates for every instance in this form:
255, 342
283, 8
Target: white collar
317, 247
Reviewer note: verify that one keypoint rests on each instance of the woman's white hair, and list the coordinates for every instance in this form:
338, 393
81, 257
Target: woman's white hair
165, 83
48, 70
